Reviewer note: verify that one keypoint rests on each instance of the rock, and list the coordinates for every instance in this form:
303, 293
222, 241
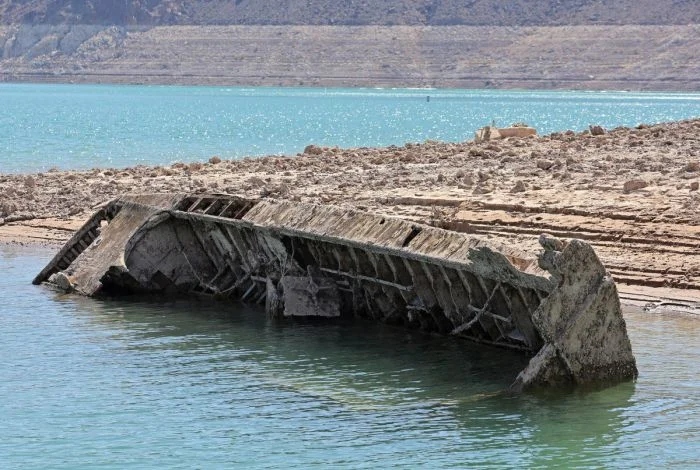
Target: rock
633, 185
77, 35
282, 189
214, 160
62, 281
103, 45
196, 166
519, 187
545, 164
45, 46
29, 182
7, 208
256, 181
468, 181
692, 167
313, 150
597, 130
694, 186
551, 243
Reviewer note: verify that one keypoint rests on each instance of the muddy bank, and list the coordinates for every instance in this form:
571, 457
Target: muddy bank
631, 192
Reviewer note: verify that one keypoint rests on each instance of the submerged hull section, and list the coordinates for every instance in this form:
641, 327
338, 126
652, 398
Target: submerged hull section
308, 260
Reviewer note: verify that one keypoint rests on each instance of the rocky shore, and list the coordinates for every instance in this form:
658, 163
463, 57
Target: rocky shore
631, 192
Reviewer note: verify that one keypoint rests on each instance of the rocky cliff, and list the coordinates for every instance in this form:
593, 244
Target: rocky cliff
351, 12
566, 44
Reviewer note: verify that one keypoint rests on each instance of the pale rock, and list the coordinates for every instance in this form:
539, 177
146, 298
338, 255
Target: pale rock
633, 185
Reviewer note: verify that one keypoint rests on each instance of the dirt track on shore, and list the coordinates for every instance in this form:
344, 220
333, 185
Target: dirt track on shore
632, 193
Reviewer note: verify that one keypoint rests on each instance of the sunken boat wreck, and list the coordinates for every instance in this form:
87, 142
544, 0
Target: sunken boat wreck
560, 308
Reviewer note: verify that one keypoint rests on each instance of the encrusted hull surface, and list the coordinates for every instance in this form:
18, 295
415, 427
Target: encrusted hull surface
309, 260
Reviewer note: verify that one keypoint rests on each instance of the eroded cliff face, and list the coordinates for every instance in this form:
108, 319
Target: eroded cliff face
567, 57
412, 43
93, 12
37, 44
357, 12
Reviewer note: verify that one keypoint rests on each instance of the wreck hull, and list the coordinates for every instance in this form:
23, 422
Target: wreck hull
301, 259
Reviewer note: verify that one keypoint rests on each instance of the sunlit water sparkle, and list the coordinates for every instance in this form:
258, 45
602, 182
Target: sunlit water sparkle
86, 126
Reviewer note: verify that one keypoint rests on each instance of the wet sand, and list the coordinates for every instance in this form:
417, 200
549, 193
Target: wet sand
631, 192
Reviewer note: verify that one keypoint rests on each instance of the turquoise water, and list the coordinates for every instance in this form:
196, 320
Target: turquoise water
84, 126
133, 384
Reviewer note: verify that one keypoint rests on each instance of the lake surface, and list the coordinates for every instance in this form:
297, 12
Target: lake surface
86, 126
133, 384
186, 384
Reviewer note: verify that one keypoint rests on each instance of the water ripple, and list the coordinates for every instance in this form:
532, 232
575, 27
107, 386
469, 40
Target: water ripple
196, 384
83, 126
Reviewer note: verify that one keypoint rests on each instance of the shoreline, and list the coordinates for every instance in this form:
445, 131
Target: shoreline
630, 192
522, 83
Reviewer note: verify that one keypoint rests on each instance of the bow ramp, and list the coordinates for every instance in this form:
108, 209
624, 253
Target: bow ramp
298, 259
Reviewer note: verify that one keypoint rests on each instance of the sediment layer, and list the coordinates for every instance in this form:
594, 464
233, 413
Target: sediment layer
330, 12
587, 57
631, 193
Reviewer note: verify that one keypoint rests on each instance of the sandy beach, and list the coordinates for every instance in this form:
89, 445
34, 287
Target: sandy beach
631, 192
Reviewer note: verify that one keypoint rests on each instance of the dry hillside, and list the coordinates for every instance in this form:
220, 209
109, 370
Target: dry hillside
629, 57
351, 12
550, 44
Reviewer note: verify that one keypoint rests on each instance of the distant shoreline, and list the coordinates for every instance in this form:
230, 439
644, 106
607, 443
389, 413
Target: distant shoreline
40, 79
520, 84
614, 58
